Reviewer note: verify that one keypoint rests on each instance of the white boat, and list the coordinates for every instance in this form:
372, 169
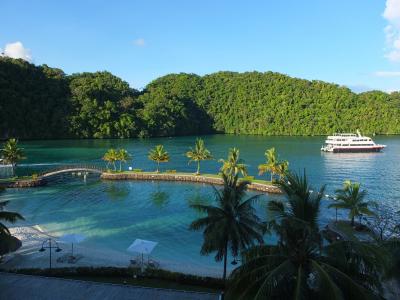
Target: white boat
350, 142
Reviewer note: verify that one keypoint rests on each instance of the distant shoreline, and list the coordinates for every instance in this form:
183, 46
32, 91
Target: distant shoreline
2, 139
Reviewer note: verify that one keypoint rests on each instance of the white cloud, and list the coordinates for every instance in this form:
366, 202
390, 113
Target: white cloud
387, 73
17, 50
140, 42
396, 43
392, 30
393, 55
392, 11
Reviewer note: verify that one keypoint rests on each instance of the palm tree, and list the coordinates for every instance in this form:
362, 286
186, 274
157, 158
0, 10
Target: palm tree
111, 156
7, 216
7, 241
11, 154
198, 153
230, 224
303, 204
283, 169
159, 155
233, 165
351, 197
123, 156
299, 266
272, 165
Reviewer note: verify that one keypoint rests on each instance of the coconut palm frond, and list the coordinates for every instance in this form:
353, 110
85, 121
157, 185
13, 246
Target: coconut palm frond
231, 224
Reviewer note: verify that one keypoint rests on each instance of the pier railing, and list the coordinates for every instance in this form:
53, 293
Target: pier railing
72, 168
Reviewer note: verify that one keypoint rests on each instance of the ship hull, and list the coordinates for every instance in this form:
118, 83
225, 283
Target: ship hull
356, 150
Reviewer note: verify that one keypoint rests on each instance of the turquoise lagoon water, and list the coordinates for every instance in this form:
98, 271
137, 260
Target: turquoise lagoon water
113, 214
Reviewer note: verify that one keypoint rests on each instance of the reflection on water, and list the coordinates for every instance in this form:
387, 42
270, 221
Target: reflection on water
116, 192
159, 198
350, 163
350, 160
199, 199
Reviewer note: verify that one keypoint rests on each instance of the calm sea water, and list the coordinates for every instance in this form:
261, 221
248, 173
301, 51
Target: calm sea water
113, 214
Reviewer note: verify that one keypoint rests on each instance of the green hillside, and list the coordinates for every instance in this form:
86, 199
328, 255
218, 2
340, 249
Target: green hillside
43, 102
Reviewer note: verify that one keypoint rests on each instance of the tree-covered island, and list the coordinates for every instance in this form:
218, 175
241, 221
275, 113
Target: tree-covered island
40, 102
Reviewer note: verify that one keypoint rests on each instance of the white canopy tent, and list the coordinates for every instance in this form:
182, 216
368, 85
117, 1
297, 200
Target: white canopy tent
72, 238
142, 247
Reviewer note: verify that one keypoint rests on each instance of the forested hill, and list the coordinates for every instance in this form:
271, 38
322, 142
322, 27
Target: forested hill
43, 102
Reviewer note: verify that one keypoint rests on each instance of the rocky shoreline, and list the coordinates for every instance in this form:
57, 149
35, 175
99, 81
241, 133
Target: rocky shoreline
23, 183
185, 178
261, 187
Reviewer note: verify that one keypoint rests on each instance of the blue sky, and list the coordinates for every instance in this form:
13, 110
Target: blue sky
354, 43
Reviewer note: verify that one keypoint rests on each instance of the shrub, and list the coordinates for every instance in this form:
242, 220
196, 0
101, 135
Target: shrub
248, 178
137, 170
170, 171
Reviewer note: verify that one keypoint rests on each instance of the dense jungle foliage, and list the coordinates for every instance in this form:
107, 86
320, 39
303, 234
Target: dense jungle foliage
43, 102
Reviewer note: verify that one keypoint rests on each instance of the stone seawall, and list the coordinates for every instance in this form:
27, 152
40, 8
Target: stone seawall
23, 183
185, 178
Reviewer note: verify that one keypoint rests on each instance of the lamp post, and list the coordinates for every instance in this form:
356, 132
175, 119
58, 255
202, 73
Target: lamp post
47, 244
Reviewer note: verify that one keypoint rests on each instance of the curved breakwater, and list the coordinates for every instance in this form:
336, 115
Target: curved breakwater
261, 187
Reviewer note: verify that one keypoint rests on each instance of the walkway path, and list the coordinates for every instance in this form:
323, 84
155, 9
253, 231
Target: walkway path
185, 177
72, 168
21, 287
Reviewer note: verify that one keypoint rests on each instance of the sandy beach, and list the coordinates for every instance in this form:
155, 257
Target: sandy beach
32, 237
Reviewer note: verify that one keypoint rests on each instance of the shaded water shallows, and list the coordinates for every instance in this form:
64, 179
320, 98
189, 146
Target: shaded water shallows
113, 214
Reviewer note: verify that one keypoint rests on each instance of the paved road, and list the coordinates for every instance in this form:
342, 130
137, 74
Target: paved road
21, 287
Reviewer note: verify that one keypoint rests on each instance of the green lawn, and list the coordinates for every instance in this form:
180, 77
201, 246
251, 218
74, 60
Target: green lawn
260, 181
14, 179
267, 182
